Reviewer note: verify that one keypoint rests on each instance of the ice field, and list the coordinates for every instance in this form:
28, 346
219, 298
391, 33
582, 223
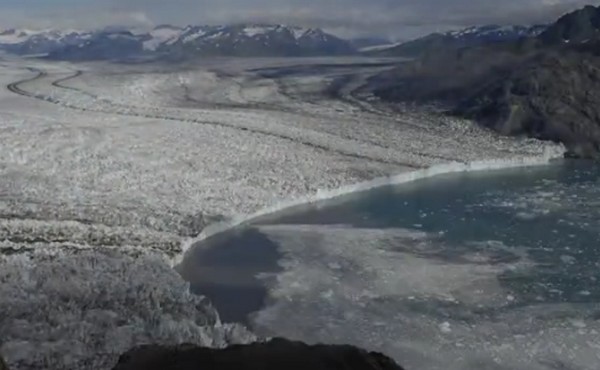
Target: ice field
105, 163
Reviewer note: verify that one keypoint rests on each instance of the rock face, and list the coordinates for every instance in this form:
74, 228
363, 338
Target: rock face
103, 46
551, 97
579, 26
26, 42
277, 354
468, 37
253, 40
547, 87
169, 42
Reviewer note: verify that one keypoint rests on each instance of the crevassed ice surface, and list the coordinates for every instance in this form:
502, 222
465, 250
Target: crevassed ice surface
102, 160
478, 271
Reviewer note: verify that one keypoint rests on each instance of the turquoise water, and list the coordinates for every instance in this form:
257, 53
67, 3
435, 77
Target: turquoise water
487, 270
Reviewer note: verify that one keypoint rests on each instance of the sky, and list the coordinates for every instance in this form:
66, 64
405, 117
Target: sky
397, 19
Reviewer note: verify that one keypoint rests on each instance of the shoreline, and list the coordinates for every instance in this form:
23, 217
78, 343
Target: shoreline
550, 154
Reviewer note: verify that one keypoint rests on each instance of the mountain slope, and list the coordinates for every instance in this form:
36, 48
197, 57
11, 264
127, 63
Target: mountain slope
579, 26
254, 40
553, 94
176, 43
545, 86
468, 37
102, 46
160, 35
40, 42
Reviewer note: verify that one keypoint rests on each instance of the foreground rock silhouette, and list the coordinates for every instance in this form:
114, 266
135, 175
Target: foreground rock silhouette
276, 354
3, 364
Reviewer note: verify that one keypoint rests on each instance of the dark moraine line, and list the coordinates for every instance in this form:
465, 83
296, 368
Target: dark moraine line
303, 69
260, 107
333, 92
58, 83
15, 88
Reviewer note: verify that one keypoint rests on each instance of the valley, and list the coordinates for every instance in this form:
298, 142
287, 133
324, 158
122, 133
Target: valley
108, 166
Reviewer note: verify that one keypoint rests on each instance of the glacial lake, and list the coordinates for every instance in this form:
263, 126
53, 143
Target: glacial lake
482, 270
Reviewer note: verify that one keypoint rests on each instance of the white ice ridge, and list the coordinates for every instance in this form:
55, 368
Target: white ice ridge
550, 154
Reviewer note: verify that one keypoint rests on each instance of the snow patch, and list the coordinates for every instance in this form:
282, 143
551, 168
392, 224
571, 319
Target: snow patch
161, 36
299, 32
257, 30
379, 47
191, 37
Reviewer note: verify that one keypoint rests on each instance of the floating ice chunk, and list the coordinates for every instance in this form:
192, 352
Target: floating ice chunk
334, 266
570, 260
526, 216
446, 328
327, 295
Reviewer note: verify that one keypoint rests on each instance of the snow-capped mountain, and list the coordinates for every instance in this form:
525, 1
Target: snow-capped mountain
161, 35
254, 40
25, 41
494, 33
102, 46
578, 27
174, 42
472, 36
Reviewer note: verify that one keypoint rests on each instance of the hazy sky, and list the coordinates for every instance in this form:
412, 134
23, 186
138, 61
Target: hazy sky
396, 18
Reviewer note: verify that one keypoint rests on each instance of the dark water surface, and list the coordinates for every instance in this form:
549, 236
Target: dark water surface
485, 270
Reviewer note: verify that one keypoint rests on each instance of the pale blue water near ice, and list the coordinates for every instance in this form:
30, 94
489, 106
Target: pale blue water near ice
486, 270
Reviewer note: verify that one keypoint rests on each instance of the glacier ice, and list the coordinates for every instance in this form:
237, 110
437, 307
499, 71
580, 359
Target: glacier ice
109, 170
82, 309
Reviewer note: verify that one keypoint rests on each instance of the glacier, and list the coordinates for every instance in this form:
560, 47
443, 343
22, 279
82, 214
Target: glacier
109, 177
550, 154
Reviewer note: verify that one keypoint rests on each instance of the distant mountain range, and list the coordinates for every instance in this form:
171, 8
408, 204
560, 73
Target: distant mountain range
241, 40
174, 42
167, 41
25, 41
472, 36
253, 40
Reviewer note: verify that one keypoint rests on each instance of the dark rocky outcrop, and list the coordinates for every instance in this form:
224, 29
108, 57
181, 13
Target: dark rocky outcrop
3, 365
276, 354
551, 96
547, 87
468, 37
578, 26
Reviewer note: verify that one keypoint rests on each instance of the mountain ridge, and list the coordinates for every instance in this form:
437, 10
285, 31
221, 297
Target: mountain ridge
545, 86
176, 42
466, 37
